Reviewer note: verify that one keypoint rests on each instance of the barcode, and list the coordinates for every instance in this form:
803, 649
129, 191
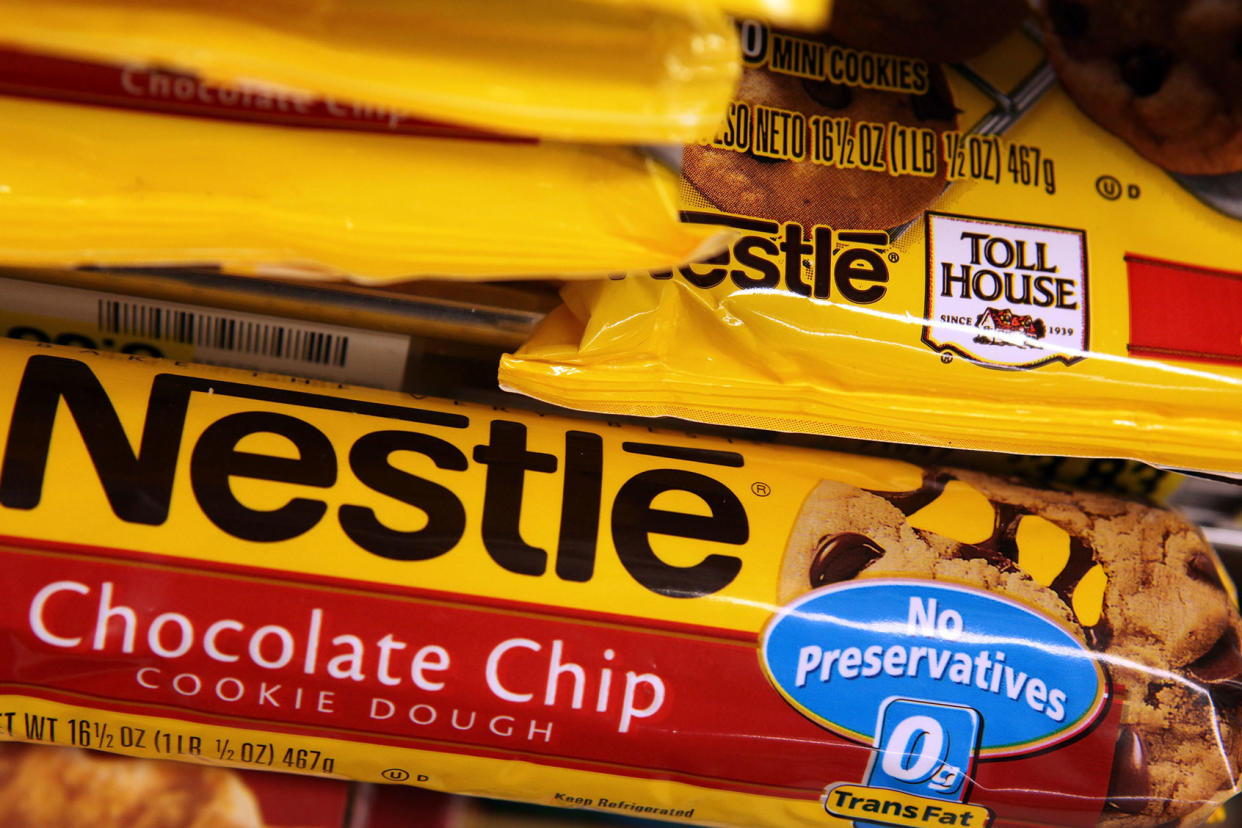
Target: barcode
206, 330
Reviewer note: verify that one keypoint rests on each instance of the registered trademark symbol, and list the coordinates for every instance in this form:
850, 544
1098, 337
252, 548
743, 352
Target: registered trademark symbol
395, 774
893, 257
946, 358
760, 489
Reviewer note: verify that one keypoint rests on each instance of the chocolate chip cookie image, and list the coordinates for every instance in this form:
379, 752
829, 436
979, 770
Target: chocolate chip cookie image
1165, 76
50, 787
811, 193
1133, 582
935, 30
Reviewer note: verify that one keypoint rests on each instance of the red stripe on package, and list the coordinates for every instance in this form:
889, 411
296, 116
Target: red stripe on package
156, 89
1183, 311
430, 670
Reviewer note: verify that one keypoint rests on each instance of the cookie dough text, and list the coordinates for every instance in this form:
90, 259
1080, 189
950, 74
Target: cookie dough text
177, 655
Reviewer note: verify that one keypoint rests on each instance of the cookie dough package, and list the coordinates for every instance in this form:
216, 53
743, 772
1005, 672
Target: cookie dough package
243, 569
91, 185
594, 70
958, 224
146, 165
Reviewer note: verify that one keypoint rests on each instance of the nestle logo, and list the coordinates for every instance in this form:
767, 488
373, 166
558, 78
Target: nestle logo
1005, 294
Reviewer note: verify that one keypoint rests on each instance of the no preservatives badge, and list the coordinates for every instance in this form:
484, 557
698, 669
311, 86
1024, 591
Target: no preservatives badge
933, 677
1005, 294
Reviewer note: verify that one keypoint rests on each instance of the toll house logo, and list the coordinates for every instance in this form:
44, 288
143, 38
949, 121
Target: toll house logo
1005, 294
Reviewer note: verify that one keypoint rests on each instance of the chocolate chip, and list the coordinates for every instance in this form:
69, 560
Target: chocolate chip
841, 557
910, 502
1144, 69
1222, 662
1099, 636
968, 551
1004, 539
1203, 568
1070, 19
1082, 559
1131, 783
829, 94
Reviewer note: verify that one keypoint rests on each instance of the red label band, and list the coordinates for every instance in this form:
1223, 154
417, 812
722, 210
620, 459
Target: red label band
432, 671
151, 89
1182, 311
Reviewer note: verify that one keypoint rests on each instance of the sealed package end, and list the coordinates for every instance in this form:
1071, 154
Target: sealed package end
953, 227
226, 567
579, 70
138, 164
106, 186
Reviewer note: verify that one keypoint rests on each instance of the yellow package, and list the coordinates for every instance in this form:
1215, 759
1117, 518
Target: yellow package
86, 185
1000, 254
565, 69
800, 14
244, 569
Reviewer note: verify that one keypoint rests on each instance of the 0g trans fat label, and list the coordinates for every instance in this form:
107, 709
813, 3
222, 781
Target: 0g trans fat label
933, 676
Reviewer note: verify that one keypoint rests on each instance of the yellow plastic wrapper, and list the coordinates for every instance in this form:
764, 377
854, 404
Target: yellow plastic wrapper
799, 14
1002, 254
604, 70
243, 569
87, 185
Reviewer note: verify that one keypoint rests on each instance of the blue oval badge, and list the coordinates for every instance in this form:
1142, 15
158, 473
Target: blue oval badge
838, 654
